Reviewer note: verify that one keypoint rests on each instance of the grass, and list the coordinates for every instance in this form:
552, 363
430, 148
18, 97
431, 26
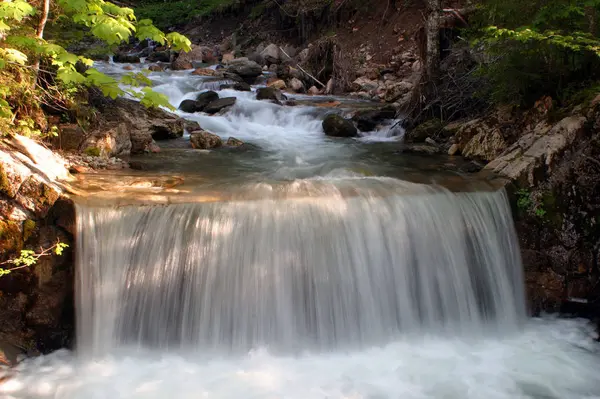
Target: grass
167, 15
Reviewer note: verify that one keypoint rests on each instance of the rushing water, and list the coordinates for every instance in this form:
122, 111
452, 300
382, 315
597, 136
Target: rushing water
305, 276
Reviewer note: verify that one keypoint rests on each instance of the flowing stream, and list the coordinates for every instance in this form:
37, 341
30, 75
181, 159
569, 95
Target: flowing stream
316, 268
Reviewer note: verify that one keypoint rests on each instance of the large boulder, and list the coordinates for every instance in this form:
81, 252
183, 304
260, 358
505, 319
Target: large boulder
203, 140
271, 54
196, 54
336, 126
125, 126
367, 120
219, 105
270, 93
206, 97
245, 68
189, 106
160, 56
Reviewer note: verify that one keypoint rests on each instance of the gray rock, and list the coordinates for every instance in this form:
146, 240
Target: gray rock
270, 93
205, 98
244, 68
189, 106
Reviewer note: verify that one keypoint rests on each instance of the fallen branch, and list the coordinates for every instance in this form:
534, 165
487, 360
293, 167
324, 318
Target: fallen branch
302, 69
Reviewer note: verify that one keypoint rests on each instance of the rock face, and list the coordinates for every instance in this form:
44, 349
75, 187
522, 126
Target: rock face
36, 301
336, 126
127, 127
218, 105
534, 156
203, 140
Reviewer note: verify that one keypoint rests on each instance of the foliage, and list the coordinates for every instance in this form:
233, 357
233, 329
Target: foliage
65, 73
29, 258
538, 48
182, 11
529, 205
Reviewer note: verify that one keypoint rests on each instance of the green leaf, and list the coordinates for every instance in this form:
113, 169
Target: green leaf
13, 55
151, 98
179, 42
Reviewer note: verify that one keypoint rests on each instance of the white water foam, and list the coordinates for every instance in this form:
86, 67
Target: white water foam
550, 359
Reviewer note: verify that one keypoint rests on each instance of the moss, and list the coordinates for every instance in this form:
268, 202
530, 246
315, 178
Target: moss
28, 229
10, 237
92, 151
4, 183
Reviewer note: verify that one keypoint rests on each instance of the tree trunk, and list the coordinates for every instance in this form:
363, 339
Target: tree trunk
591, 15
432, 29
40, 35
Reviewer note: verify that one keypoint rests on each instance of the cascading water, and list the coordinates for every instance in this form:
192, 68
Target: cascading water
296, 276
315, 272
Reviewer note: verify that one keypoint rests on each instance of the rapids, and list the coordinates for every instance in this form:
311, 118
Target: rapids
305, 268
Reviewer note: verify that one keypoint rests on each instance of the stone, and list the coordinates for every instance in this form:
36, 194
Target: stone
314, 91
430, 141
453, 150
424, 149
336, 126
277, 84
271, 54
270, 93
156, 68
204, 72
233, 142
189, 106
397, 91
364, 84
329, 87
245, 68
420, 133
203, 140
534, 155
159, 56
241, 86
296, 85
196, 54
485, 145
367, 120
113, 140
227, 58
205, 98
215, 106
126, 58
257, 57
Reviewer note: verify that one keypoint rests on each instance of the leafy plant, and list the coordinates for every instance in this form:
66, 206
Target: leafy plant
22, 47
29, 258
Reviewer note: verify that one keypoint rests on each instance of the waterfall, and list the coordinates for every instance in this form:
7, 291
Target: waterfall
312, 267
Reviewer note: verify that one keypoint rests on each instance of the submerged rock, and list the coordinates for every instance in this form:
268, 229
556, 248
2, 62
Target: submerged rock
336, 126
217, 105
203, 140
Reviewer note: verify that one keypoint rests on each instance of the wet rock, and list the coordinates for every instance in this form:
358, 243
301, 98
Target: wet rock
277, 84
217, 105
233, 76
204, 140
227, 58
270, 93
160, 56
204, 72
126, 58
245, 68
205, 98
453, 150
156, 68
182, 65
336, 126
189, 106
233, 142
241, 86
296, 85
367, 120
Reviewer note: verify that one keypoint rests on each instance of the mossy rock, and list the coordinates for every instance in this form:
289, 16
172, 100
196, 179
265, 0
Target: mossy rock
28, 229
4, 183
92, 151
10, 237
426, 129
